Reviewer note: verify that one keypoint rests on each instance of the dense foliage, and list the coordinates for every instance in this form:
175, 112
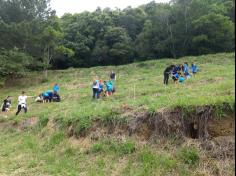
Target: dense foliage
104, 37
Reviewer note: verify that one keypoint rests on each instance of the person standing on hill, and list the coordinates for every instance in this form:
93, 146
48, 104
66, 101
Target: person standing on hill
186, 70
56, 97
194, 68
167, 73
113, 79
22, 102
95, 87
109, 88
100, 89
56, 89
113, 76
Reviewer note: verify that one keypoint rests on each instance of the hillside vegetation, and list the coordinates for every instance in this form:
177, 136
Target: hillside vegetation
45, 150
139, 86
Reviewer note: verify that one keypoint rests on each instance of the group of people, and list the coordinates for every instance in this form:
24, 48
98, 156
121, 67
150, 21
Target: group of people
179, 73
47, 96
98, 87
50, 95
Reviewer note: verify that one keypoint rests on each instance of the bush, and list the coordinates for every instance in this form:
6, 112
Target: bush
188, 155
98, 147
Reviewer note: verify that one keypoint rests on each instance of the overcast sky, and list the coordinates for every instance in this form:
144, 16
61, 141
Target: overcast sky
76, 6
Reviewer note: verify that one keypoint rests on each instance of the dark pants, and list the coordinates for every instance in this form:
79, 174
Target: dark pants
166, 78
95, 93
19, 109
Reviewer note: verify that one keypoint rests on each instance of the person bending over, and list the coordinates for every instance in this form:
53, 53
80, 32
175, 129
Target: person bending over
167, 73
181, 78
175, 77
39, 99
47, 96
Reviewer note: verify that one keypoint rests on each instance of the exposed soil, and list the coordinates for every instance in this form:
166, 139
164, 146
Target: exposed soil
216, 135
200, 124
221, 127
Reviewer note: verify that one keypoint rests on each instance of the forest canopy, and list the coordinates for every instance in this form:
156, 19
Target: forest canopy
33, 37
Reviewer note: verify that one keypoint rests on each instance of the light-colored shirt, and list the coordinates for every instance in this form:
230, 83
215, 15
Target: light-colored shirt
22, 99
96, 84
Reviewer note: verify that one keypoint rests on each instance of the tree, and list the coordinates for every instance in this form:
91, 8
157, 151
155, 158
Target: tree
14, 62
213, 32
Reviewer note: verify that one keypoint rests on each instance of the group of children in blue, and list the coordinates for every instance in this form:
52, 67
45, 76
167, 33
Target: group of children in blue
48, 96
98, 87
179, 73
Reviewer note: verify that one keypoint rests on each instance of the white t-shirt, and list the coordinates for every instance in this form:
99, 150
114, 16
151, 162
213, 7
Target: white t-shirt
22, 99
96, 85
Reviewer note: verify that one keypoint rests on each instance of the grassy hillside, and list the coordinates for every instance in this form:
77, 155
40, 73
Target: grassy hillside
46, 151
139, 86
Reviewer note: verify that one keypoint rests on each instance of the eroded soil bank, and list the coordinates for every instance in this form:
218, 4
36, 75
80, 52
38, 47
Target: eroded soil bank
214, 132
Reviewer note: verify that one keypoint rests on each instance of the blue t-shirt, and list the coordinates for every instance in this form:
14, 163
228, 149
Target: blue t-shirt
186, 68
176, 69
181, 79
109, 86
45, 94
56, 88
176, 75
49, 93
194, 68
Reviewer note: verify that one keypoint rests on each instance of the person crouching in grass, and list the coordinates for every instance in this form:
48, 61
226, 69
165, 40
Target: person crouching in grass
181, 78
175, 77
6, 104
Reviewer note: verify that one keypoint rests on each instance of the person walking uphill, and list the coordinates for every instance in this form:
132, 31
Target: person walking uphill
22, 102
167, 73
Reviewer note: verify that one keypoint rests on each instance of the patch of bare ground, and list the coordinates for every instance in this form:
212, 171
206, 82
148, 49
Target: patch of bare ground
28, 123
122, 163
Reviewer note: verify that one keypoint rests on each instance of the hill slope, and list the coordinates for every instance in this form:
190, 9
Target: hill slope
45, 149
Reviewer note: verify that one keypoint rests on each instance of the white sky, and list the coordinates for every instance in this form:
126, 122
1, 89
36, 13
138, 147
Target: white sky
77, 6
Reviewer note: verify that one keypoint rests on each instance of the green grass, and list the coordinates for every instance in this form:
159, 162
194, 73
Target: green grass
139, 86
42, 152
24, 153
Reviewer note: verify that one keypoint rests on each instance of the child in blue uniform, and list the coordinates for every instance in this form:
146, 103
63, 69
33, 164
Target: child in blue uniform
100, 89
175, 77
109, 87
194, 68
181, 78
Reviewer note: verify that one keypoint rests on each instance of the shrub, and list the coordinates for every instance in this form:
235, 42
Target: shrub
188, 155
